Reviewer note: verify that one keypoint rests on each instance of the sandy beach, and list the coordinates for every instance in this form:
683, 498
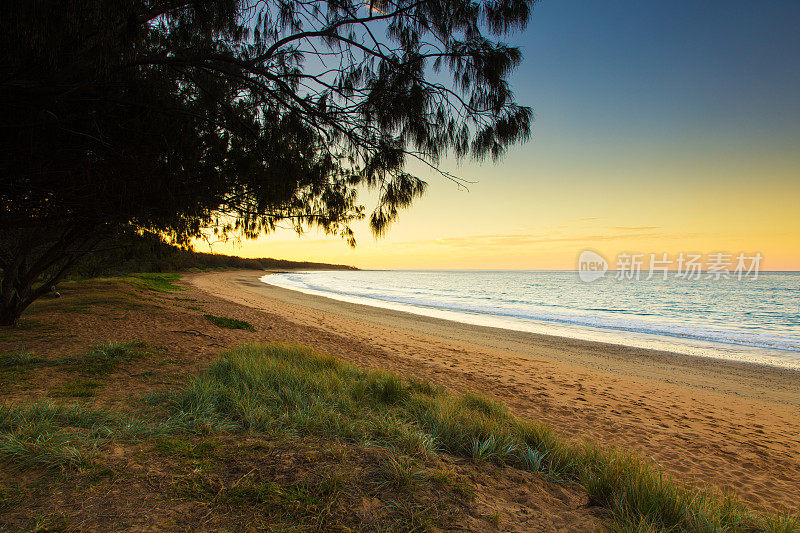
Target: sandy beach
735, 426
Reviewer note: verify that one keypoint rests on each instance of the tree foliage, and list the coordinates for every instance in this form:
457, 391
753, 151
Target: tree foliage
179, 117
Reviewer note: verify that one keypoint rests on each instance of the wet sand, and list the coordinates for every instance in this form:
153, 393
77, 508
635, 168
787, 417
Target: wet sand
735, 426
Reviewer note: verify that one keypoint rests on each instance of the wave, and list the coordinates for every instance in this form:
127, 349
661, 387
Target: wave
682, 327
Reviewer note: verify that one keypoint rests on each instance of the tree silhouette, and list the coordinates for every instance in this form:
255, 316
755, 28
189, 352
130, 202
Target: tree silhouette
184, 117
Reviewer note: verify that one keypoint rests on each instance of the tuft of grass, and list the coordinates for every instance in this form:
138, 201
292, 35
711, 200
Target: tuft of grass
48, 415
19, 359
229, 323
184, 448
104, 358
402, 472
158, 282
65, 437
283, 389
15, 367
303, 501
50, 436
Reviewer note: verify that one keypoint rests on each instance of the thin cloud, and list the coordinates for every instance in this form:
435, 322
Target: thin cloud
502, 240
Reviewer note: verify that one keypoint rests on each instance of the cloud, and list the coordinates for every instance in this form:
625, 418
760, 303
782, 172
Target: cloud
511, 240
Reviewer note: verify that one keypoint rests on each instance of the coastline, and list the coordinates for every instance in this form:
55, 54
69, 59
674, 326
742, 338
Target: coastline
729, 424
663, 342
744, 346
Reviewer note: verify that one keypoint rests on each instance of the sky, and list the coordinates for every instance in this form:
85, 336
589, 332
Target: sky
660, 127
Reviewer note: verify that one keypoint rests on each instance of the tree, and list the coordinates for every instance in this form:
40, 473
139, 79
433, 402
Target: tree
180, 117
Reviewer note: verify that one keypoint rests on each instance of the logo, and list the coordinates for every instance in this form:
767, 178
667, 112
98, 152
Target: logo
591, 266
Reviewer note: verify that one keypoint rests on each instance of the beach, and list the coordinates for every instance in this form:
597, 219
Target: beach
734, 426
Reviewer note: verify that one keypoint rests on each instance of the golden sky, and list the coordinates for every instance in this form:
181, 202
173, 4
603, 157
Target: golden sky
659, 128
542, 216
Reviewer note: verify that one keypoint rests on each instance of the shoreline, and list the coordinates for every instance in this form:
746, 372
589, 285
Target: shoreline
732, 425
639, 340
595, 354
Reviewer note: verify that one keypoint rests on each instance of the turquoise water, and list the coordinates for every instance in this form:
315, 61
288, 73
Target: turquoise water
755, 320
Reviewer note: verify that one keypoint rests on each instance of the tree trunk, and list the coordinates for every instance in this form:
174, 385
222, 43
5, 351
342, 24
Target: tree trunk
10, 313
13, 300
35, 271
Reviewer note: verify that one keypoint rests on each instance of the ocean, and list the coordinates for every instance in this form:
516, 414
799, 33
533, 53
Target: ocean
756, 320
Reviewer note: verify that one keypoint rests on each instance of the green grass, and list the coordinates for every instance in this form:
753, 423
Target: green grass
15, 367
105, 358
229, 323
66, 437
184, 448
295, 499
86, 297
50, 436
79, 388
278, 389
18, 359
158, 282
282, 391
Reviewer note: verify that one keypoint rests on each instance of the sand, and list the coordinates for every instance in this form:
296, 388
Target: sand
734, 426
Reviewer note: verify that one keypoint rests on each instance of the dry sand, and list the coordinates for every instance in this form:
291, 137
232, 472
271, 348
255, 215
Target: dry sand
732, 425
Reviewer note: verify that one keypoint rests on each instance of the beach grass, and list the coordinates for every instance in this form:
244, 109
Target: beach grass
105, 358
283, 388
229, 323
158, 282
280, 392
18, 359
51, 436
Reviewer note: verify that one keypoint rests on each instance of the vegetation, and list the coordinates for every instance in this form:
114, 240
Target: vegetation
157, 282
224, 117
229, 323
18, 359
282, 391
131, 252
100, 359
276, 388
281, 437
51, 436
105, 358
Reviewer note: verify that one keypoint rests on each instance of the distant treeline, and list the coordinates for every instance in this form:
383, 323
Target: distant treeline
148, 253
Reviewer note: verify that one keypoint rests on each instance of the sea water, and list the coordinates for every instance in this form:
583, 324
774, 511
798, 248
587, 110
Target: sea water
748, 319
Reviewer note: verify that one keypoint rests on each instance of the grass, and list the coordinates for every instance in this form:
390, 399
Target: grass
288, 392
278, 389
50, 436
315, 491
158, 282
100, 359
104, 358
182, 448
10, 495
62, 437
291, 484
88, 296
229, 323
18, 359
15, 367
79, 388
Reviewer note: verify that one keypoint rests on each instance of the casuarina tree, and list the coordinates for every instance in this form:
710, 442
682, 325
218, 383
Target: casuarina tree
180, 118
